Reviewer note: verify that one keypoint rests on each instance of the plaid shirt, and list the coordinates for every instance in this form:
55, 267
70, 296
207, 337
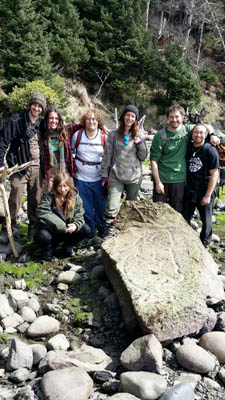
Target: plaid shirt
68, 159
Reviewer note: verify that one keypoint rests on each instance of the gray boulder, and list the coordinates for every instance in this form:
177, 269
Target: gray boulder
68, 383
144, 354
20, 355
145, 385
160, 271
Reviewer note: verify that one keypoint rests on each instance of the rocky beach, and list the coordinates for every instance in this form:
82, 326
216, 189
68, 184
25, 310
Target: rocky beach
62, 334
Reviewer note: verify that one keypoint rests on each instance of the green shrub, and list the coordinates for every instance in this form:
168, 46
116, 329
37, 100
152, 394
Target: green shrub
207, 75
19, 97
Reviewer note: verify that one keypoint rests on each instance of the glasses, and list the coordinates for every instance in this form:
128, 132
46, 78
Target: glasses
91, 119
126, 140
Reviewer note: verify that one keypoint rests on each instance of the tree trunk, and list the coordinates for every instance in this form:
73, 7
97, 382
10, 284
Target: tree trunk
200, 42
189, 24
8, 220
147, 14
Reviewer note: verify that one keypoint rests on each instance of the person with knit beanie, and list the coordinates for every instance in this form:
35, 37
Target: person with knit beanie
20, 141
122, 164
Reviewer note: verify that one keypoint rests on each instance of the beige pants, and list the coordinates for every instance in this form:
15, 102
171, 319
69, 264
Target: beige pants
31, 182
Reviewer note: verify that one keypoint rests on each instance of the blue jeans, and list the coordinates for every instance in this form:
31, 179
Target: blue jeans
94, 204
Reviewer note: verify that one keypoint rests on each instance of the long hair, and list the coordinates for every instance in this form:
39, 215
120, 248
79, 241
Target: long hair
97, 115
133, 129
66, 203
61, 131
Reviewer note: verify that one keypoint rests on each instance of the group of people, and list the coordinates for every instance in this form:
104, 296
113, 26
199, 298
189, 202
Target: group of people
185, 168
71, 169
79, 172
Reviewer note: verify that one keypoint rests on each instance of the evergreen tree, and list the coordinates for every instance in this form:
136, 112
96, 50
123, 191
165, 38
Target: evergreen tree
23, 46
64, 28
116, 40
176, 80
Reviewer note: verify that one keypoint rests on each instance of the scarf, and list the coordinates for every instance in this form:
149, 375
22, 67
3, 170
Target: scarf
53, 146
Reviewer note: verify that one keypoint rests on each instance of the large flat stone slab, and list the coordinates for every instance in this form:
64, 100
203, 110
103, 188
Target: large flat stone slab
161, 273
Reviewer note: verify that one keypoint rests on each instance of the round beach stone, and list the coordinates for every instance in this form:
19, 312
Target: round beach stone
182, 391
194, 358
145, 385
43, 326
215, 343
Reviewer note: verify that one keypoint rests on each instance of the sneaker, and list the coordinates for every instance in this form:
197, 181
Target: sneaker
68, 250
109, 231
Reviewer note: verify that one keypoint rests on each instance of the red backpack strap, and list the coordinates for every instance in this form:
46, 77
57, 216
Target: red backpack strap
103, 137
79, 134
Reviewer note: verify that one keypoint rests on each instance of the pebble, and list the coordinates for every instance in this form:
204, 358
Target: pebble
195, 358
39, 352
63, 287
192, 379
144, 354
58, 342
6, 308
34, 304
215, 343
69, 277
211, 384
20, 355
182, 391
145, 385
20, 375
43, 326
28, 314
12, 321
67, 383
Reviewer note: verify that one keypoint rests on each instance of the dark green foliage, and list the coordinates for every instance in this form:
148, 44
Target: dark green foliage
176, 81
207, 75
64, 29
23, 46
116, 40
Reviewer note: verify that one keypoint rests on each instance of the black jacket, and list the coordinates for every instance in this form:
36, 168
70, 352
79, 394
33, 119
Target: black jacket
14, 135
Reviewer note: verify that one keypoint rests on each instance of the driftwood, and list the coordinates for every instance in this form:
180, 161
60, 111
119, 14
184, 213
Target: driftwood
7, 172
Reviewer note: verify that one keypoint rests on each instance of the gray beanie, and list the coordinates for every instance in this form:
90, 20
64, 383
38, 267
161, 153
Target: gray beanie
130, 108
38, 98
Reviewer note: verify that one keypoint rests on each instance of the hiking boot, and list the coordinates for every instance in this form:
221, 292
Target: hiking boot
68, 250
109, 231
47, 254
4, 239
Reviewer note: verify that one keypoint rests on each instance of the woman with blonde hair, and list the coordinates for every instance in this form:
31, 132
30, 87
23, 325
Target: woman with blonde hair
88, 144
60, 217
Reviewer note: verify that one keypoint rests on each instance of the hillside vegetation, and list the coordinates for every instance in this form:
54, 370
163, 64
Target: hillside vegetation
148, 52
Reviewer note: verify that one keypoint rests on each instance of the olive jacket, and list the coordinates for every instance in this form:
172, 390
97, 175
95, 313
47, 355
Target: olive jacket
48, 214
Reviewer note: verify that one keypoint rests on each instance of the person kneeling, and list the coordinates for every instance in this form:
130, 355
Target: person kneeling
60, 218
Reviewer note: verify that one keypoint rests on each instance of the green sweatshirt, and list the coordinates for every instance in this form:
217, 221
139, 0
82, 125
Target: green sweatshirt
171, 159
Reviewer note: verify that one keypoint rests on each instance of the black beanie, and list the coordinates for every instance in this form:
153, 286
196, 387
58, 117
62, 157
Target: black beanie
38, 98
130, 108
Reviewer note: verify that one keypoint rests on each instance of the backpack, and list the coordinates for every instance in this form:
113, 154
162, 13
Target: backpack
79, 135
164, 137
221, 151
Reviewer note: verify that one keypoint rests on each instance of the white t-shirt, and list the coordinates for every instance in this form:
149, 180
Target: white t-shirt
88, 150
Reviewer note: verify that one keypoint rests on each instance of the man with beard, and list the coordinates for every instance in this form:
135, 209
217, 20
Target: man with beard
168, 160
202, 177
20, 140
